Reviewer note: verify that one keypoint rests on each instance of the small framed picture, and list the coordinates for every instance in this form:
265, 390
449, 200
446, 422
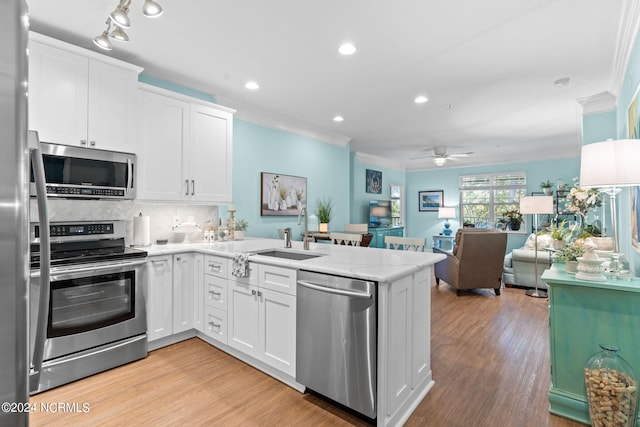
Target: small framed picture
374, 181
430, 201
282, 195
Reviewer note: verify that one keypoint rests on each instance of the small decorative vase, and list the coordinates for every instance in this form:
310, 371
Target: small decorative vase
571, 266
547, 191
611, 389
238, 235
515, 226
324, 227
590, 266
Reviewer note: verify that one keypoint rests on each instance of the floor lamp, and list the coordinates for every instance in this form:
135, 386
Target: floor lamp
608, 166
536, 205
447, 213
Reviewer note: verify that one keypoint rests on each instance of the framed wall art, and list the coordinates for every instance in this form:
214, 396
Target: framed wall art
430, 201
374, 181
281, 195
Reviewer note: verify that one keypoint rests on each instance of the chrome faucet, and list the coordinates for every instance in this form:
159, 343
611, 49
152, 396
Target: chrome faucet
305, 237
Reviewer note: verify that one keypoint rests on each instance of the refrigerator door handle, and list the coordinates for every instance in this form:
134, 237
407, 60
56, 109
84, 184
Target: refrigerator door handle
45, 260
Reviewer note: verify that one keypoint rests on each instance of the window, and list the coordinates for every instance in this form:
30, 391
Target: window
485, 198
396, 192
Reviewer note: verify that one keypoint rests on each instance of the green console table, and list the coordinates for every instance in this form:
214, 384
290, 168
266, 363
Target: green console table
582, 315
377, 241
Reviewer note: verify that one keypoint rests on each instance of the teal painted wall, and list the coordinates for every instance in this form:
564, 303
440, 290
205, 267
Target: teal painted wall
427, 224
261, 149
628, 90
359, 197
598, 127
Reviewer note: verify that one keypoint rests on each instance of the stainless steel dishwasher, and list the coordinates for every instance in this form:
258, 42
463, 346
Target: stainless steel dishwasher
336, 353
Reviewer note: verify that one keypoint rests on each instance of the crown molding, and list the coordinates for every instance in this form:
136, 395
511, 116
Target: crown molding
627, 32
379, 161
273, 120
598, 103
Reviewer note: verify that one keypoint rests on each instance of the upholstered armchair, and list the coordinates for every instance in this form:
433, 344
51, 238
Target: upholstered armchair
476, 260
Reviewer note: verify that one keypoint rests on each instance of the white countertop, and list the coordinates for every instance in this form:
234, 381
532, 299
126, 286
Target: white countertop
382, 265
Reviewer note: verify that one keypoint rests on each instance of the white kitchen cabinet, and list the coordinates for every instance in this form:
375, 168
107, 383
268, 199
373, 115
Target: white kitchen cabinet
185, 148
215, 297
261, 321
159, 297
78, 97
183, 292
175, 285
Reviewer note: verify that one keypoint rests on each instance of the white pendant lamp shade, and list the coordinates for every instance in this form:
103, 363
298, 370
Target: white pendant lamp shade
151, 9
536, 204
610, 164
102, 41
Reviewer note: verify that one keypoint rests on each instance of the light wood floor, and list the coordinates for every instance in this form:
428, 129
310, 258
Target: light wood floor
490, 362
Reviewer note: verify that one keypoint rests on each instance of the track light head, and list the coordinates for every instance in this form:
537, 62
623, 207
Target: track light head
120, 16
119, 34
151, 9
102, 41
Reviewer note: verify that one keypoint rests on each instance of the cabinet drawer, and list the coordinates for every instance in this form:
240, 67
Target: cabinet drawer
217, 266
277, 279
215, 292
251, 279
215, 324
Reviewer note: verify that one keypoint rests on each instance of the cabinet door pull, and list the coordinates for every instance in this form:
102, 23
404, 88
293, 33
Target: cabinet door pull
214, 325
215, 266
186, 192
193, 187
253, 292
92, 143
83, 142
259, 293
214, 293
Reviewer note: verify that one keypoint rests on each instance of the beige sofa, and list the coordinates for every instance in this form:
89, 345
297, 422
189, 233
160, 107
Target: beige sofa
520, 264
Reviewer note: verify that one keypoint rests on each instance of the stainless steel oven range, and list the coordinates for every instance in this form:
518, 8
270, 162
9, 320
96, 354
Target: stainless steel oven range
96, 317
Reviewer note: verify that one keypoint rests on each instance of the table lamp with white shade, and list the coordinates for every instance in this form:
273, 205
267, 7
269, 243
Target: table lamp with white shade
446, 214
608, 166
536, 205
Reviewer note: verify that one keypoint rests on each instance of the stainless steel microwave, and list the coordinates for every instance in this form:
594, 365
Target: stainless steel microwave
86, 173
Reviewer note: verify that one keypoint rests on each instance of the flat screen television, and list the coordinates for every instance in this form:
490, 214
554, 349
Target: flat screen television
380, 213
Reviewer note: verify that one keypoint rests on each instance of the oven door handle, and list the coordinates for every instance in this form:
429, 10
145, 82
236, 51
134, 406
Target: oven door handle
65, 273
45, 261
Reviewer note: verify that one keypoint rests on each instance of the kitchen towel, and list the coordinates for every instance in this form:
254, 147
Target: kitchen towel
141, 231
240, 265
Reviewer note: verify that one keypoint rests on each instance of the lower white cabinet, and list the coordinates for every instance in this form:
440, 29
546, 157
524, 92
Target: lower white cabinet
159, 297
215, 298
173, 306
261, 321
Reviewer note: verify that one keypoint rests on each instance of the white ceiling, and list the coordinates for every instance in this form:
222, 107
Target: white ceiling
493, 61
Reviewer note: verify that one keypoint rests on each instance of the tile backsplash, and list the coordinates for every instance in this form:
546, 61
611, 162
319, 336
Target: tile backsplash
162, 216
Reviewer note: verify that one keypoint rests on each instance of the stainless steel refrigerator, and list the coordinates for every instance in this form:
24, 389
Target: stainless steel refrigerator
14, 247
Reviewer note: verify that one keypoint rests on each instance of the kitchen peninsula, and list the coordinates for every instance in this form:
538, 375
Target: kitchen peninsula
191, 292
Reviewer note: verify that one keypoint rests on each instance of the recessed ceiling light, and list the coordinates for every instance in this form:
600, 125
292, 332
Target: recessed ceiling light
338, 119
252, 85
347, 49
562, 82
421, 99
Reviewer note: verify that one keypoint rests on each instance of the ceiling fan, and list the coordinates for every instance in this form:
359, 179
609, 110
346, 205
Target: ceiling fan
440, 155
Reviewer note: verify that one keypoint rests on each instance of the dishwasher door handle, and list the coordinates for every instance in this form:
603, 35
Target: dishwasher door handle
344, 292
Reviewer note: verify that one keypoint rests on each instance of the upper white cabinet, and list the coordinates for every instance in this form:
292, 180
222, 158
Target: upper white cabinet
185, 148
78, 97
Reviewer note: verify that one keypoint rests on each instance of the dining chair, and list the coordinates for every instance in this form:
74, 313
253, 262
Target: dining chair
348, 239
416, 244
357, 228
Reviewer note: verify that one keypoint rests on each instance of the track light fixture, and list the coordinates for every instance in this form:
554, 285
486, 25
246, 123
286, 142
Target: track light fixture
120, 18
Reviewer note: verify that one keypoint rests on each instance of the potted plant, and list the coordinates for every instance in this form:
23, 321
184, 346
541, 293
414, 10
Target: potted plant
559, 233
570, 253
513, 219
240, 227
325, 213
546, 187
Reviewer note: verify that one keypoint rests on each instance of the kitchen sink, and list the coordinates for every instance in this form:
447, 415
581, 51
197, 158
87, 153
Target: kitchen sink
278, 253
